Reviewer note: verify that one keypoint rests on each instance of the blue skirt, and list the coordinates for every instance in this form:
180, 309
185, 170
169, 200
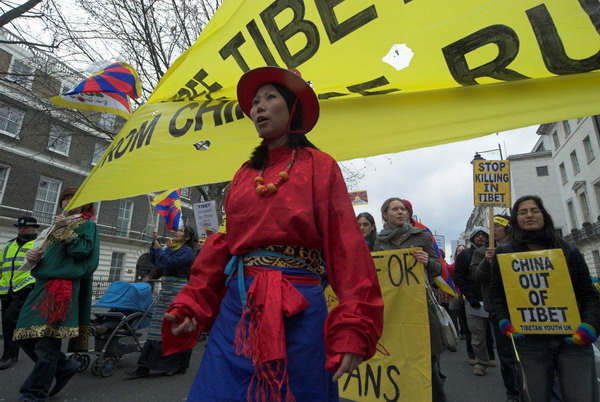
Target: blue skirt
225, 376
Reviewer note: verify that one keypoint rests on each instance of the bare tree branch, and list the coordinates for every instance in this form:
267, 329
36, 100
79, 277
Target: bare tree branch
17, 11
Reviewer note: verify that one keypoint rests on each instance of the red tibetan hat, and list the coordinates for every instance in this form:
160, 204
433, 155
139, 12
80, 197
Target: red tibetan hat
254, 79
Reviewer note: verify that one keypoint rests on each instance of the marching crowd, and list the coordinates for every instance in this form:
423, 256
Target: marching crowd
258, 288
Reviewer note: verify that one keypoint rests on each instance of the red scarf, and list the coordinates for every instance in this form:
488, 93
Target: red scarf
260, 334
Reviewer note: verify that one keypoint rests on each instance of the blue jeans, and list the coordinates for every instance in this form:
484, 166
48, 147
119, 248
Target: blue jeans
49, 362
543, 355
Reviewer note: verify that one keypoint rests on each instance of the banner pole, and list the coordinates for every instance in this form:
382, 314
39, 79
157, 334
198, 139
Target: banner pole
491, 213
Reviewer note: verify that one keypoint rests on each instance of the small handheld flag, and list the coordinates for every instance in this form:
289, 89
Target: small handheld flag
168, 205
107, 91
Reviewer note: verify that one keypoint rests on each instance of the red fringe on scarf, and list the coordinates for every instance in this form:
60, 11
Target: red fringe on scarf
55, 303
270, 376
260, 334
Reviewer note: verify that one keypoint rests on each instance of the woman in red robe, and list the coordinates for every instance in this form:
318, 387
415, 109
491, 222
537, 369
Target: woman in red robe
291, 231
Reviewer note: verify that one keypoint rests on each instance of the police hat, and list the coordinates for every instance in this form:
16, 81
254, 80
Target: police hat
27, 221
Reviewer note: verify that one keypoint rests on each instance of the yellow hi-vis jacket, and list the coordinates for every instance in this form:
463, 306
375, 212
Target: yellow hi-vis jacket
11, 258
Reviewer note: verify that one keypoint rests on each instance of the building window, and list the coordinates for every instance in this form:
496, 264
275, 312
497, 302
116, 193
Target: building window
585, 207
575, 163
567, 127
596, 258
10, 120
563, 173
46, 199
559, 231
97, 209
572, 215
99, 149
597, 193
185, 192
21, 73
589, 150
116, 266
107, 121
555, 140
152, 222
124, 218
542, 170
59, 141
4, 171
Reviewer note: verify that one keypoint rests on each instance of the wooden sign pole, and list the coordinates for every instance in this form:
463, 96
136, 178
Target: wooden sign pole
491, 212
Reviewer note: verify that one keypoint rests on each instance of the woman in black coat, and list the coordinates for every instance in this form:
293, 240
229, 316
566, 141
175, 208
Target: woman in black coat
572, 358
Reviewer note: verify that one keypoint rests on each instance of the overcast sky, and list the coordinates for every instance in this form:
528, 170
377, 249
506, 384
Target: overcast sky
437, 180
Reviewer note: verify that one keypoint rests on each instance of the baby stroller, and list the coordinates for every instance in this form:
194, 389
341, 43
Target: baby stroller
117, 331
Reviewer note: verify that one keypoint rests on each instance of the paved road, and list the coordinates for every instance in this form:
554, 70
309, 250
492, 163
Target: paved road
461, 384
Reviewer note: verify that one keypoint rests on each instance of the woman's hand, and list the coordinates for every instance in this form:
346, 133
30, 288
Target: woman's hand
178, 327
60, 221
489, 254
155, 244
350, 362
421, 256
34, 256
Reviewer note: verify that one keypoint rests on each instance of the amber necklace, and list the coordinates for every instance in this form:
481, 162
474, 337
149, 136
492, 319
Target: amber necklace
284, 175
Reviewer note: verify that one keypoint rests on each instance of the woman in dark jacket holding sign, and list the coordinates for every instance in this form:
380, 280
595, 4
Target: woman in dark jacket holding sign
571, 357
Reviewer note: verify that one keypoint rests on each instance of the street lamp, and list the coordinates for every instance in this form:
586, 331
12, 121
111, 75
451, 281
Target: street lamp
478, 156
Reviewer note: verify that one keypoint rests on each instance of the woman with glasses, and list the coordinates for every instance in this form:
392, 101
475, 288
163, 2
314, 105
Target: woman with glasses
572, 357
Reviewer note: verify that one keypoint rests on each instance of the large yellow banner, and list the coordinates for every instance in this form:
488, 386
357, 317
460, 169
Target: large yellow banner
401, 368
391, 76
539, 292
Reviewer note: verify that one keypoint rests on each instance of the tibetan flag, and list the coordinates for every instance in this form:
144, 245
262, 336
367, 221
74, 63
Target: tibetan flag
168, 205
107, 91
359, 197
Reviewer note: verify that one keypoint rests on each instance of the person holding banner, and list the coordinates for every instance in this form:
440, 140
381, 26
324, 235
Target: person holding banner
398, 233
572, 358
366, 223
481, 264
261, 282
60, 304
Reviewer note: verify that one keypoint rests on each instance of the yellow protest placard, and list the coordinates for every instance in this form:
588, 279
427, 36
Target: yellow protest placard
401, 368
539, 292
390, 75
491, 183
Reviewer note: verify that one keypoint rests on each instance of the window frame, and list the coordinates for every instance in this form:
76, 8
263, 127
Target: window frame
563, 173
53, 129
555, 140
19, 123
537, 171
584, 204
113, 268
104, 124
567, 128
3, 186
27, 81
588, 149
95, 152
119, 218
572, 214
41, 213
575, 162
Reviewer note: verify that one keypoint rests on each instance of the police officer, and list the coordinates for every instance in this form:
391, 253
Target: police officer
15, 285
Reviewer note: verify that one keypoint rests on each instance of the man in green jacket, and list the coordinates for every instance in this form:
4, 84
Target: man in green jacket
15, 285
